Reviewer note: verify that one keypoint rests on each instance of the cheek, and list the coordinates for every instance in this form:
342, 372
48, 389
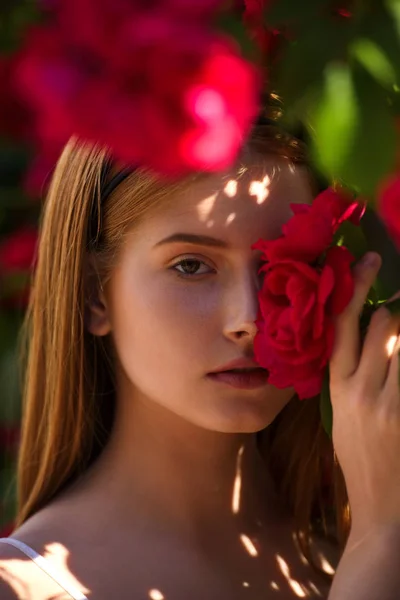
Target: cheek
161, 322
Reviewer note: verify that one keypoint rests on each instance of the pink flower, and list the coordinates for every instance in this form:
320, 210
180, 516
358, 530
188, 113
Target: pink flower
168, 92
389, 207
298, 304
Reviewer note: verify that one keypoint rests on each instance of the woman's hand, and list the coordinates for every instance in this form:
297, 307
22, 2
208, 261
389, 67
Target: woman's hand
365, 394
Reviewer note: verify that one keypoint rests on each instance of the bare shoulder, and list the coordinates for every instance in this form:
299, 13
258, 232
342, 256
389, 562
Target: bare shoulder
21, 577
17, 577
9, 589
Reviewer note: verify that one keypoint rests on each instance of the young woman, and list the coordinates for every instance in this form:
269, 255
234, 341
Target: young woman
156, 461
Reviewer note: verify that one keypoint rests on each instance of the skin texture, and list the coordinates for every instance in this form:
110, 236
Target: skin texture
181, 496
180, 504
170, 331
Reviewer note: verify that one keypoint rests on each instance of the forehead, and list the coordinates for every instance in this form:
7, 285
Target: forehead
240, 205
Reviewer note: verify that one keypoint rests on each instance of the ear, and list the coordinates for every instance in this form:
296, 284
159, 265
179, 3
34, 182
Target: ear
96, 315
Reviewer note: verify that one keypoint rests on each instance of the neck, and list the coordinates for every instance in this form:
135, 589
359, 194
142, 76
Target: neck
159, 468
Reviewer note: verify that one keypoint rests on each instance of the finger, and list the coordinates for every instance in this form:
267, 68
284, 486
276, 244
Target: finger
392, 384
346, 350
377, 350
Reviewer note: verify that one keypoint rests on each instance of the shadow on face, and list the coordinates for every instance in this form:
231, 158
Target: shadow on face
183, 297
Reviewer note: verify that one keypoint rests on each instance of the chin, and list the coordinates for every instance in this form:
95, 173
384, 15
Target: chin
240, 414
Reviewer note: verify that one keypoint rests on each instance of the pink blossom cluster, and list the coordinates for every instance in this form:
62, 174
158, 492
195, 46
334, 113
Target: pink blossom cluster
155, 81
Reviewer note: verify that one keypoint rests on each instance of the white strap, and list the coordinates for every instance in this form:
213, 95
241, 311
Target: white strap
45, 565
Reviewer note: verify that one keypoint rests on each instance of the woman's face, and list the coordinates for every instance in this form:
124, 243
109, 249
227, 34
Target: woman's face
183, 299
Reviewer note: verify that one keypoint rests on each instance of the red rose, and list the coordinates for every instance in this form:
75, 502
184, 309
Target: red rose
389, 207
310, 231
298, 304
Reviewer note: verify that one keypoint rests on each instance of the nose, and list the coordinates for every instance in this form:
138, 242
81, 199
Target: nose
241, 309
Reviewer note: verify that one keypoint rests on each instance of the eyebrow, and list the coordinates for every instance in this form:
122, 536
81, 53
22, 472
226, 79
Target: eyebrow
192, 238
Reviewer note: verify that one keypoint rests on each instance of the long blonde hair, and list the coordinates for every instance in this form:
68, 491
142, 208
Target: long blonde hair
68, 379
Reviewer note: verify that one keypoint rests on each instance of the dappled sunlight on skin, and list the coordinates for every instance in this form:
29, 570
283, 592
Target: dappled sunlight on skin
391, 345
260, 189
314, 588
248, 544
156, 595
237, 484
325, 564
274, 586
296, 543
296, 587
299, 589
25, 576
230, 188
205, 207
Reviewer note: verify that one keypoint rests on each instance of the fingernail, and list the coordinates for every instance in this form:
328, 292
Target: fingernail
370, 259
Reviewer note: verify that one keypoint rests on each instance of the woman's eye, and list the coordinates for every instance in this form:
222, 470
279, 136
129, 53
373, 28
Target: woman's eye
192, 266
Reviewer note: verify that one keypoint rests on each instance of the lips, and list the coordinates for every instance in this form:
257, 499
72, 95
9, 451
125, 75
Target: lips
240, 373
238, 364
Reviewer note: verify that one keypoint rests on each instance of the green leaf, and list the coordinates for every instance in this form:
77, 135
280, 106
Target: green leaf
325, 405
304, 60
379, 26
368, 153
336, 119
352, 237
374, 59
393, 8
